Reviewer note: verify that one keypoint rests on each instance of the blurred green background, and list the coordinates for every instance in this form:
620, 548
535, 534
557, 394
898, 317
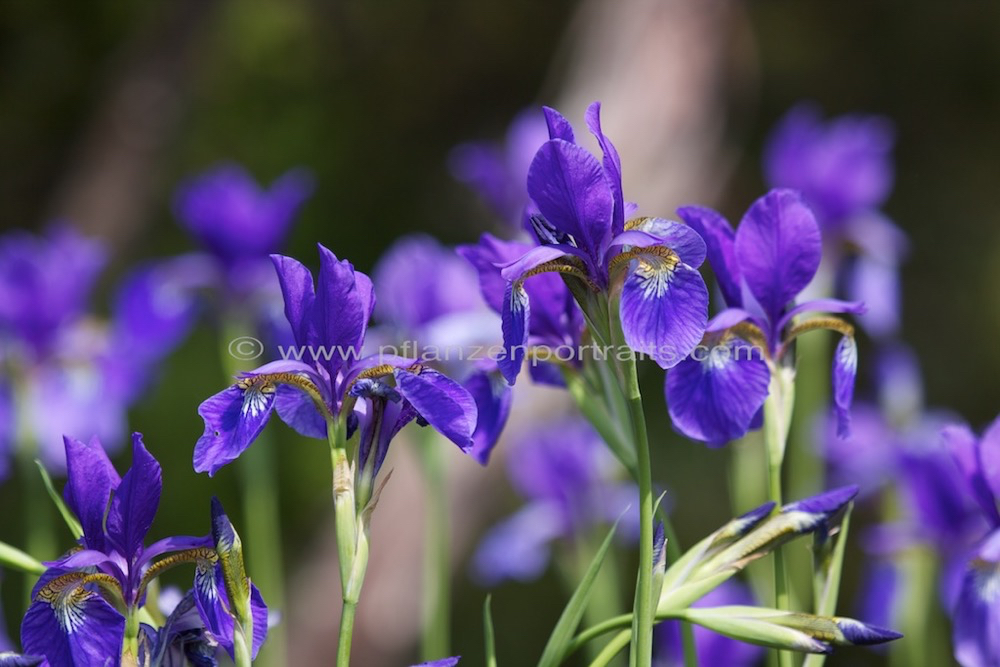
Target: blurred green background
372, 95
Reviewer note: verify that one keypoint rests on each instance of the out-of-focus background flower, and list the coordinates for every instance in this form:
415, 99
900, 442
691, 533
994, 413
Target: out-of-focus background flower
105, 107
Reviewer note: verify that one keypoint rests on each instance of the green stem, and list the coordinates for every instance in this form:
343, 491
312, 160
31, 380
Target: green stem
642, 627
436, 611
613, 648
346, 631
777, 416
260, 493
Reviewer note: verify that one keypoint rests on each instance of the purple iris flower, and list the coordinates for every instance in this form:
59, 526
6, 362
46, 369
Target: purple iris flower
761, 268
555, 319
976, 613
713, 649
69, 372
235, 218
583, 235
76, 612
329, 321
843, 168
428, 294
497, 172
566, 475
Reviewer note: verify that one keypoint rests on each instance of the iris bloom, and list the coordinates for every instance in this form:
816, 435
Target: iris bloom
85, 604
760, 268
583, 235
555, 319
427, 294
843, 168
329, 320
976, 613
66, 371
566, 475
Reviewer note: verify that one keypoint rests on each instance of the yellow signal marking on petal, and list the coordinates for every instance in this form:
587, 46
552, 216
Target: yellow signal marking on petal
66, 595
266, 383
557, 266
636, 223
206, 554
751, 333
831, 323
666, 258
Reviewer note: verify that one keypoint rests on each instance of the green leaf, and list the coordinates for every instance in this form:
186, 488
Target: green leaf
562, 634
16, 559
67, 515
827, 580
491, 650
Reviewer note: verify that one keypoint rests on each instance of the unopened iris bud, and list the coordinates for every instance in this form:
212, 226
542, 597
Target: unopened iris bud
229, 548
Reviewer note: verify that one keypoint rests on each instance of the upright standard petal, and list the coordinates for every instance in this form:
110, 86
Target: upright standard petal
559, 127
91, 479
664, 308
136, 500
845, 370
720, 242
233, 419
612, 166
493, 402
299, 296
442, 402
713, 395
343, 309
573, 193
72, 626
778, 247
486, 257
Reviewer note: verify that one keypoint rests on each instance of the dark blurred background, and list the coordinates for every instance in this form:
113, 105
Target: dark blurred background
105, 105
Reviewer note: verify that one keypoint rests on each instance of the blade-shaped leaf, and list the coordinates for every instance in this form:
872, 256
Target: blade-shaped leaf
491, 651
562, 634
827, 581
67, 515
16, 559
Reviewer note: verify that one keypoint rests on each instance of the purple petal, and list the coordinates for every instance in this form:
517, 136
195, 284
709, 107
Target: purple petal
419, 280
713, 399
664, 309
486, 257
343, 307
300, 298
842, 166
231, 215
728, 318
573, 193
989, 456
845, 370
442, 402
299, 411
518, 547
778, 247
75, 627
176, 543
559, 127
976, 615
827, 503
443, 662
493, 402
233, 419
534, 258
10, 659
822, 306
878, 286
135, 502
91, 479
964, 448
720, 243
683, 240
515, 314
612, 166
213, 604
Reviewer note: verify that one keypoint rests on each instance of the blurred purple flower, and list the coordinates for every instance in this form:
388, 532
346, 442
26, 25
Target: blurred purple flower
567, 478
69, 373
843, 168
497, 172
713, 649
761, 269
236, 219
